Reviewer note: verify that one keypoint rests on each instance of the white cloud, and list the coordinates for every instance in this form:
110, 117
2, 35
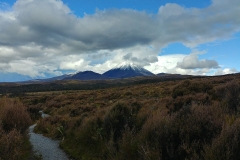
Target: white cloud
225, 71
192, 62
165, 64
24, 67
47, 37
187, 65
73, 64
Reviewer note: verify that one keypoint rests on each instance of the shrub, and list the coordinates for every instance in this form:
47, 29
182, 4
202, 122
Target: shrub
14, 115
229, 94
34, 111
191, 87
14, 120
167, 120
183, 101
128, 146
115, 121
10, 144
233, 95
226, 146
183, 134
86, 142
53, 126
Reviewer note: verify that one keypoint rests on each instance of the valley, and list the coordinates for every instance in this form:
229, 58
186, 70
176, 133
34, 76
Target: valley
146, 118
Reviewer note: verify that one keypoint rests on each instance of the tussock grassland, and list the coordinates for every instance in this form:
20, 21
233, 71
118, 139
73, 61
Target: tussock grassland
182, 119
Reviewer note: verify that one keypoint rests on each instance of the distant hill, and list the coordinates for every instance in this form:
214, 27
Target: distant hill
50, 79
126, 71
19, 88
168, 74
86, 75
161, 74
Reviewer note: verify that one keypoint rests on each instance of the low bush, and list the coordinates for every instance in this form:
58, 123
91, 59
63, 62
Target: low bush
191, 87
183, 134
116, 120
229, 95
15, 116
14, 120
10, 144
184, 119
226, 146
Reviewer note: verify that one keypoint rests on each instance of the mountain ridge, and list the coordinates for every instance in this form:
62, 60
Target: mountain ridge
123, 70
127, 70
86, 75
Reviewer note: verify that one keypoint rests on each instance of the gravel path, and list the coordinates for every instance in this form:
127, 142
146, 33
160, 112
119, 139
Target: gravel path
48, 148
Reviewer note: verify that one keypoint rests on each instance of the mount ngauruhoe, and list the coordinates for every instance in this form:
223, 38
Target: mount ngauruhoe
126, 71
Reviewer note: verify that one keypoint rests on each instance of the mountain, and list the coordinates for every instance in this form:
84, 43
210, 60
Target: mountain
59, 77
86, 75
56, 78
161, 74
127, 70
47, 79
124, 70
13, 77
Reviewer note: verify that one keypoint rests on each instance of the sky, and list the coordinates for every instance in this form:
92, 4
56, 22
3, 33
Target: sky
47, 38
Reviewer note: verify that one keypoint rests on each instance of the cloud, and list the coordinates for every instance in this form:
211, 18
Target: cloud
99, 55
165, 63
4, 66
127, 56
73, 64
192, 62
225, 71
49, 35
193, 26
170, 64
50, 23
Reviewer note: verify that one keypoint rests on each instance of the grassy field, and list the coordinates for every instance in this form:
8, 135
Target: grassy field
191, 118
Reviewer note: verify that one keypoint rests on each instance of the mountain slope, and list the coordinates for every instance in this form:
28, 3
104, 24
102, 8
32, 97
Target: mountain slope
53, 78
86, 75
127, 70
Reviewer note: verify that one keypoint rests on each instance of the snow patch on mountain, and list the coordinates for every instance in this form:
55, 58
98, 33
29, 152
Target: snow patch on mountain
128, 65
126, 70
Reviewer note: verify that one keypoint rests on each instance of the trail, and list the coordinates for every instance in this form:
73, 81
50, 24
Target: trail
48, 148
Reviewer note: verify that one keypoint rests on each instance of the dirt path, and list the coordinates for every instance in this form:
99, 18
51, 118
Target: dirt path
48, 148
